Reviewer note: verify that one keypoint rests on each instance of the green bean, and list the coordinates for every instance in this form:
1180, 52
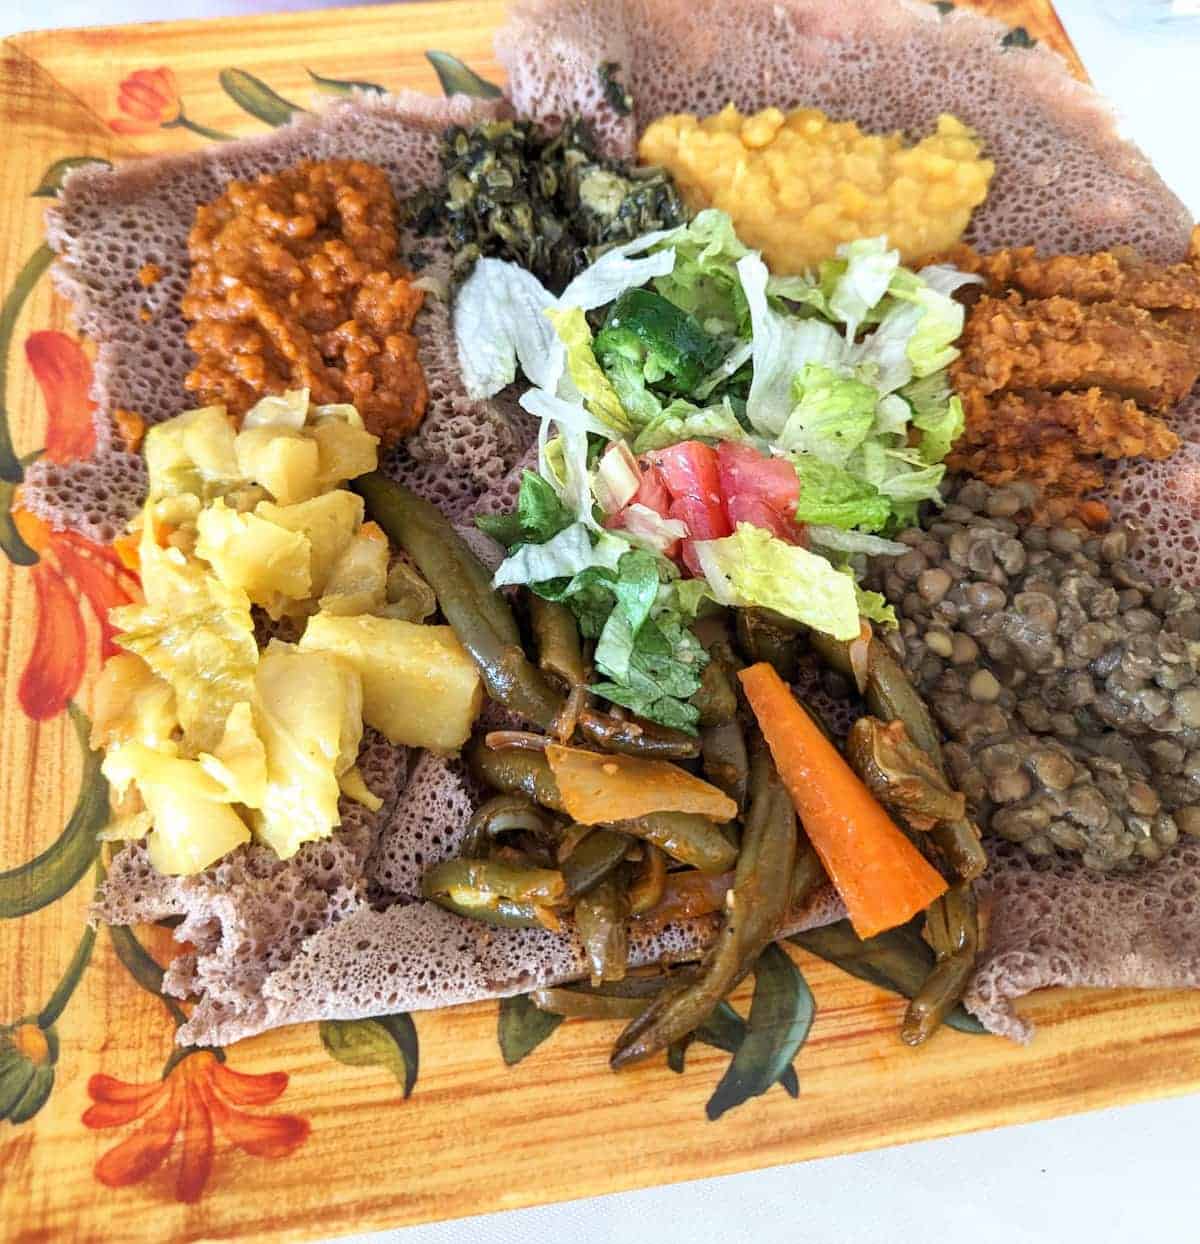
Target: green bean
650, 882
808, 873
515, 772
586, 1005
500, 912
726, 763
636, 738
600, 853
464, 879
901, 775
848, 656
716, 699
478, 614
766, 636
600, 917
686, 837
952, 929
892, 697
556, 635
756, 907
505, 814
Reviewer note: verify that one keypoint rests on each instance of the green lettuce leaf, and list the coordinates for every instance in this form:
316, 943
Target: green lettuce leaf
832, 496
833, 418
598, 394
874, 607
562, 556
539, 515
869, 268
681, 421
753, 567
704, 280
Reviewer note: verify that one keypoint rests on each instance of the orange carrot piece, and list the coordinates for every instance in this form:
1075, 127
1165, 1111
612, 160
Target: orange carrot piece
597, 789
882, 878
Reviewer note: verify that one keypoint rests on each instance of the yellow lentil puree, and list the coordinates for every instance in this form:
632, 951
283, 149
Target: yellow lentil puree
797, 185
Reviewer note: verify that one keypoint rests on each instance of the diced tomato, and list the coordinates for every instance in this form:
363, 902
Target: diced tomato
652, 491
690, 469
746, 472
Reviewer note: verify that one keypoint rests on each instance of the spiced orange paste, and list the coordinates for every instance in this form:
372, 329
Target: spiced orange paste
295, 283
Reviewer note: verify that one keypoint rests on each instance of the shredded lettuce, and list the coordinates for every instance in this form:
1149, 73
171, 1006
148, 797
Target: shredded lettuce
874, 607
839, 541
832, 496
753, 567
869, 268
834, 415
704, 280
681, 421
593, 385
538, 516
616, 271
783, 346
562, 556
499, 318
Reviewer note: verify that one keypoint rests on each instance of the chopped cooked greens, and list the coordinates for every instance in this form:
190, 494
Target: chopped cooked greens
546, 203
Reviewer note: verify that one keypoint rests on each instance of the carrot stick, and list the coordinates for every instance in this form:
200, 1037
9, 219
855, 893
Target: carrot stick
882, 878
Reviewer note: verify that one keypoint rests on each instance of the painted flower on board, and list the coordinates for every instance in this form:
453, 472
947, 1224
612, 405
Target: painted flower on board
148, 98
199, 1098
71, 570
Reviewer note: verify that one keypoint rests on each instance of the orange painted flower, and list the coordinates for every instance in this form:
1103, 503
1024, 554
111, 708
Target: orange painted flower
198, 1097
148, 98
71, 568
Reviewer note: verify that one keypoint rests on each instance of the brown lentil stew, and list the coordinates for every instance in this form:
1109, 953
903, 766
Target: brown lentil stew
1067, 685
295, 283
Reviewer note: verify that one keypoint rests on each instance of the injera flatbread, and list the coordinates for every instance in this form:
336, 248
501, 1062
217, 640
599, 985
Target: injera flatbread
1065, 180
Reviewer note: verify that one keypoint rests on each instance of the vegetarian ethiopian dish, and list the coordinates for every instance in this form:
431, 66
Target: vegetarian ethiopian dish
741, 484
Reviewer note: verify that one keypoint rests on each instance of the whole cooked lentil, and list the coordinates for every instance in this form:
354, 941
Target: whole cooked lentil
1067, 685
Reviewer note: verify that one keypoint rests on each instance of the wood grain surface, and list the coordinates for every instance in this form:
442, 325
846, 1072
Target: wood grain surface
347, 1150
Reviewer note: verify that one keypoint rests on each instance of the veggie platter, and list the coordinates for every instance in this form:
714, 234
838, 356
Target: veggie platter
671, 493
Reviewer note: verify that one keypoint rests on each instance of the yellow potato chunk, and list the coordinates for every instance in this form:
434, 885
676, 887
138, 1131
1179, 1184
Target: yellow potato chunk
284, 462
420, 687
329, 523
345, 451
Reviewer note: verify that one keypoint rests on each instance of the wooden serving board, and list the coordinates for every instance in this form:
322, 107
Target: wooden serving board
297, 1134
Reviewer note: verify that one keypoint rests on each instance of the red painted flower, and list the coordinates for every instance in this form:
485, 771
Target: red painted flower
72, 568
148, 98
198, 1096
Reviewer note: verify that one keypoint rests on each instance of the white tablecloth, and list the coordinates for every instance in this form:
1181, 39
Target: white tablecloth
1116, 1175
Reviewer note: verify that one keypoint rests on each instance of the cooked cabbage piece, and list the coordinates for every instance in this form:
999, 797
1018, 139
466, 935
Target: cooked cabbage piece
194, 824
357, 582
192, 453
239, 761
196, 634
131, 703
269, 562
310, 715
419, 685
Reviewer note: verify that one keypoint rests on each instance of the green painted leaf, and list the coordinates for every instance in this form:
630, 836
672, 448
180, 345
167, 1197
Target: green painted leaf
52, 179
28, 276
781, 1014
343, 86
725, 1030
522, 1027
16, 1075
676, 1056
57, 870
898, 960
14, 548
1018, 37
254, 96
943, 6
137, 959
66, 987
457, 79
388, 1041
36, 1094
